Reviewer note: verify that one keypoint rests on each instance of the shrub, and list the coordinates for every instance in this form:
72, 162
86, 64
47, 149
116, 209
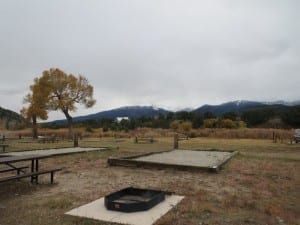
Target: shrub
89, 129
105, 129
228, 123
175, 125
210, 123
185, 127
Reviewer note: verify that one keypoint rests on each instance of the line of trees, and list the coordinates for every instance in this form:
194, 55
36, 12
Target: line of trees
288, 117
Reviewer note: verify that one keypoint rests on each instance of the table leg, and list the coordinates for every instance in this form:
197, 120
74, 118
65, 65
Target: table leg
32, 169
32, 165
36, 169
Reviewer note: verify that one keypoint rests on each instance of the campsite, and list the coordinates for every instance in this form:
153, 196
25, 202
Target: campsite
257, 186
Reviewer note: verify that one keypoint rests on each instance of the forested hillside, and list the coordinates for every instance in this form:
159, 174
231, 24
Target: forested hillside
261, 115
10, 120
276, 116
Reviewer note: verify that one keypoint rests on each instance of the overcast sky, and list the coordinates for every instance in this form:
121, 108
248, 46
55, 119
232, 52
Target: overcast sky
167, 53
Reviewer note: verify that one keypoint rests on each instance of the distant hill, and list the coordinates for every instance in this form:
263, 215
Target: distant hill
128, 111
235, 106
292, 103
150, 111
10, 119
242, 106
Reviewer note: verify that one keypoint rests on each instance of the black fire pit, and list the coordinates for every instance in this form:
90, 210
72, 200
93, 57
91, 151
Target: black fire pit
134, 199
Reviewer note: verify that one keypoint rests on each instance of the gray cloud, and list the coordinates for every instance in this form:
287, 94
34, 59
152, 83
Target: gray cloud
171, 53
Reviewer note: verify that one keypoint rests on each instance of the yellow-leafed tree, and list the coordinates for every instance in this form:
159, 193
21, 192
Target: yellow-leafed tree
66, 91
38, 103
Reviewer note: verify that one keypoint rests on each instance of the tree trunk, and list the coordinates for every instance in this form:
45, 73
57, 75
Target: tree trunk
70, 123
34, 128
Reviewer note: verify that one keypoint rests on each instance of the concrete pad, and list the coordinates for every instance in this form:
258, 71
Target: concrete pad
187, 157
209, 160
96, 210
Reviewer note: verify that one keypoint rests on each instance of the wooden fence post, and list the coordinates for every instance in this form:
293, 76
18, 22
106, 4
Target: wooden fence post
75, 140
176, 141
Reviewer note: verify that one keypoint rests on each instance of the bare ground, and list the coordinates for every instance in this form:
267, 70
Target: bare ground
258, 186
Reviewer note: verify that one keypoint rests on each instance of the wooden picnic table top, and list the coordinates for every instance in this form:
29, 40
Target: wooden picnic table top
11, 159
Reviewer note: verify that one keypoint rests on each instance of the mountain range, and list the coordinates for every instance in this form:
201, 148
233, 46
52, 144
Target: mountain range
147, 111
127, 111
235, 106
139, 111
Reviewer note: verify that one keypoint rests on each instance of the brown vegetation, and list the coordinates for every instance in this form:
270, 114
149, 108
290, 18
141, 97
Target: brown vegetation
259, 186
243, 133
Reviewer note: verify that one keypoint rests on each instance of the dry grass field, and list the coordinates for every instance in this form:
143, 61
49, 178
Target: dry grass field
258, 186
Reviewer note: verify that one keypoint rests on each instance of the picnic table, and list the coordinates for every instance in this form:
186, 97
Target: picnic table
4, 146
143, 140
47, 139
10, 165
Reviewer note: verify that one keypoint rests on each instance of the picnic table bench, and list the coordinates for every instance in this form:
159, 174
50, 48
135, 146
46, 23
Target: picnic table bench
183, 137
18, 169
143, 140
2, 138
33, 175
297, 136
21, 172
4, 146
44, 139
